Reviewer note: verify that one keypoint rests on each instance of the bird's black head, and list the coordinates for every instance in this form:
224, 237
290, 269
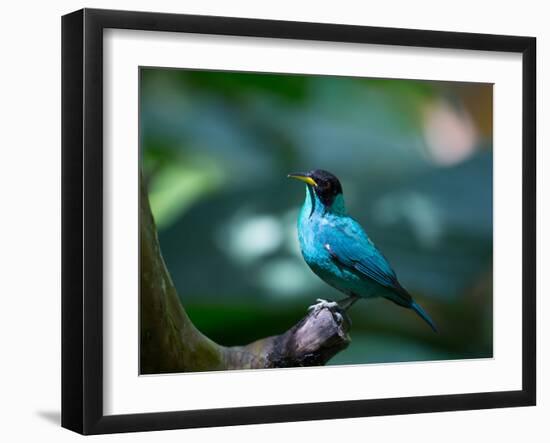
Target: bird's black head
325, 185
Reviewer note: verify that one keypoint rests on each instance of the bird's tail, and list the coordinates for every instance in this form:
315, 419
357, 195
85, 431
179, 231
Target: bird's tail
418, 309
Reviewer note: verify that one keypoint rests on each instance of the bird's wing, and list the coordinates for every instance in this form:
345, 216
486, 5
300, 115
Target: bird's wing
350, 247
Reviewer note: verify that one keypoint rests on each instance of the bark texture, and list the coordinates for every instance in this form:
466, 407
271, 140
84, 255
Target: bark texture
171, 343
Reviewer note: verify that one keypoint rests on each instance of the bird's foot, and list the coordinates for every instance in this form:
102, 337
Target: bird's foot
322, 304
332, 306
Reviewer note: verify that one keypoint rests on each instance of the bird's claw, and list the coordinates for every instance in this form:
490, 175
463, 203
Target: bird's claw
332, 306
322, 304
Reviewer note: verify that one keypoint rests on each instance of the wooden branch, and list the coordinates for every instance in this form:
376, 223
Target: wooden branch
169, 342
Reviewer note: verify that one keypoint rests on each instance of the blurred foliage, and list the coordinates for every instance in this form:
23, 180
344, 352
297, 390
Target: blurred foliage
415, 161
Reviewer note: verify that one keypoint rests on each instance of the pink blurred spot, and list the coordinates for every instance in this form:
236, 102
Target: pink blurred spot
450, 133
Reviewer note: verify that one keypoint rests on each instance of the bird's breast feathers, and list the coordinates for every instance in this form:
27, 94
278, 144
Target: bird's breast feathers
317, 236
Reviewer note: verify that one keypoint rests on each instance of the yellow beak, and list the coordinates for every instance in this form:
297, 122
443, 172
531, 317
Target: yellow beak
303, 178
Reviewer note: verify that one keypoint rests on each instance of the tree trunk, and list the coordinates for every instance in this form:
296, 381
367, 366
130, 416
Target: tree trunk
171, 343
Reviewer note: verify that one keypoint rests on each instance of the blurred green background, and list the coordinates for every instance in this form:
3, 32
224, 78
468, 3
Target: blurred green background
415, 162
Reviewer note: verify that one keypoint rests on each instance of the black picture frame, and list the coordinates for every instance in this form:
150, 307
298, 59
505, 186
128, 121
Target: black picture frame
82, 220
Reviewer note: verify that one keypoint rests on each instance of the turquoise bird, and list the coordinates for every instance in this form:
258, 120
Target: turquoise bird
338, 250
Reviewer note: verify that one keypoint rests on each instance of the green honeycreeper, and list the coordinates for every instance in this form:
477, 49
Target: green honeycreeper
338, 250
